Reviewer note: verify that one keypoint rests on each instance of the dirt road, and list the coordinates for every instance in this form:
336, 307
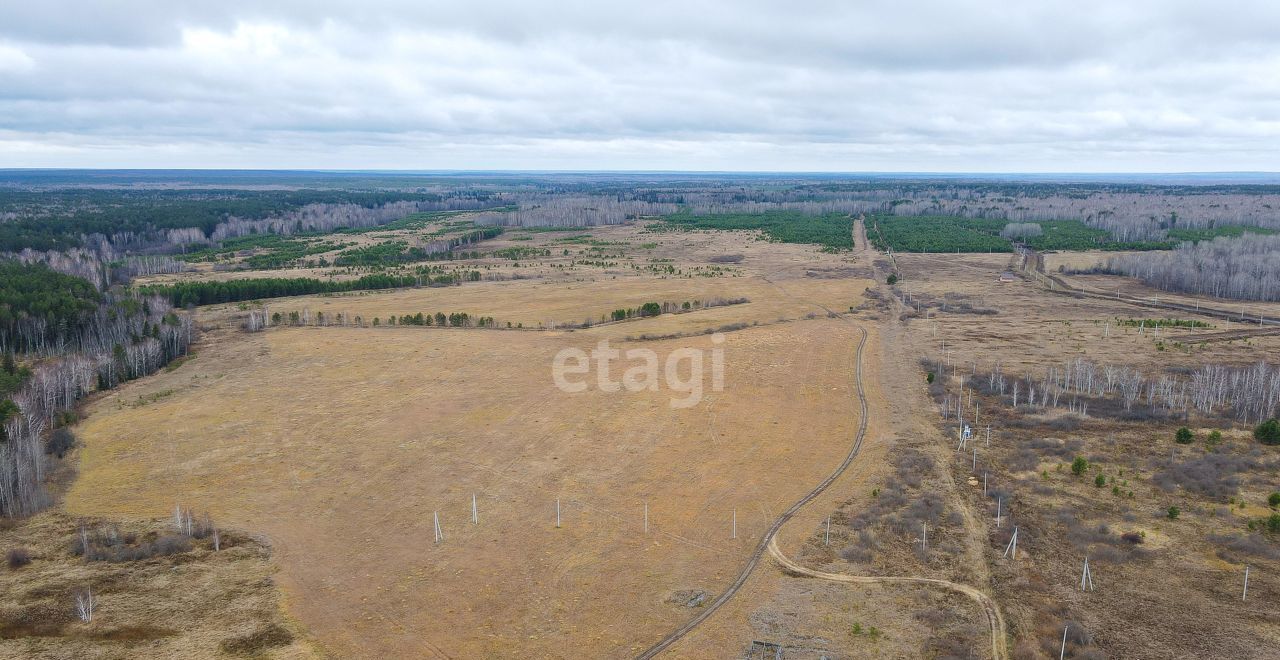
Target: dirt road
999, 646
769, 536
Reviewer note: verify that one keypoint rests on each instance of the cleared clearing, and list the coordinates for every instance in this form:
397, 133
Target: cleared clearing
340, 443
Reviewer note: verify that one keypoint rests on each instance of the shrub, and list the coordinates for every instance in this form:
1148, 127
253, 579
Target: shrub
1079, 466
60, 442
1100, 481
891, 280
1173, 512
1184, 436
1215, 437
1213, 475
17, 558
929, 378
1133, 538
1268, 432
1273, 523
1274, 499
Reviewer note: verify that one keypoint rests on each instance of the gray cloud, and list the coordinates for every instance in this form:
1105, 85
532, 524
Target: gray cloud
721, 85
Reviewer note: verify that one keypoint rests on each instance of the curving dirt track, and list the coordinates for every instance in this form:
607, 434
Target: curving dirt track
767, 539
999, 646
768, 542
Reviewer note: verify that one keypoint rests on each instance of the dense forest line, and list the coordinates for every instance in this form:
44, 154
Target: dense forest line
75, 339
184, 294
62, 219
961, 234
1245, 268
1073, 215
831, 230
40, 306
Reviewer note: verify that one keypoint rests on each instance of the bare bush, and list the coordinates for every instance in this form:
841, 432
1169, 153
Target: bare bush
1212, 475
1234, 548
17, 558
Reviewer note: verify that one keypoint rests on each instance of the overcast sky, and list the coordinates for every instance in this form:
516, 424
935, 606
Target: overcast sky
845, 85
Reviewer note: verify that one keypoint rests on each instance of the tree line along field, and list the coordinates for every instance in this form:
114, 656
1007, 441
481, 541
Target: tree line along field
830, 230
906, 233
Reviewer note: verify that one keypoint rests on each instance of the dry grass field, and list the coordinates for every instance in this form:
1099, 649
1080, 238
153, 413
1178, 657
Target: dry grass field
195, 603
341, 444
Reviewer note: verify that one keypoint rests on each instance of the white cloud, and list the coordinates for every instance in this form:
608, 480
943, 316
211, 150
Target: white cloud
978, 86
12, 59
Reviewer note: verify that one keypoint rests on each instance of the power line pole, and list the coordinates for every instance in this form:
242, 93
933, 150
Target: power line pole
1013, 545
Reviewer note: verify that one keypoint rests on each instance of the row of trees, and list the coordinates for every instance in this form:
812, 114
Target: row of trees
1249, 394
1245, 268
259, 319
126, 337
183, 294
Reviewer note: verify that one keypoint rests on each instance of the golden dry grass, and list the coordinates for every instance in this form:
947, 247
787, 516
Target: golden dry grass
192, 604
339, 444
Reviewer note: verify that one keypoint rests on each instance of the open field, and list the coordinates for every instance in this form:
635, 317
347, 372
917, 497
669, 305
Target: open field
339, 444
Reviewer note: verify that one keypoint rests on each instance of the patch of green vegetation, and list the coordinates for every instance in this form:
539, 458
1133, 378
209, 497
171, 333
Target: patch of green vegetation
208, 293
1075, 235
833, 230
519, 252
380, 255
1210, 233
274, 250
936, 233
37, 301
